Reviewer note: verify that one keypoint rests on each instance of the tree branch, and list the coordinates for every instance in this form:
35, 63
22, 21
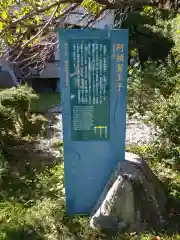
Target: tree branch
45, 26
122, 3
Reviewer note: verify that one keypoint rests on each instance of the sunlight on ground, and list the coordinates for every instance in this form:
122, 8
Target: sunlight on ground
33, 206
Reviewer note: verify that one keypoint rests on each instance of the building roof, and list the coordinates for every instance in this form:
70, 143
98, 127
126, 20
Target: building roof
6, 80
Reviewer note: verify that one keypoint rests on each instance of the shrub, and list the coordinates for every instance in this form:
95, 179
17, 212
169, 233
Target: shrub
155, 93
35, 125
6, 121
15, 106
18, 100
166, 118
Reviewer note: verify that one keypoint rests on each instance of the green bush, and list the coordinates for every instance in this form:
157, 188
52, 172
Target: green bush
18, 101
166, 118
36, 125
148, 85
6, 121
154, 93
15, 104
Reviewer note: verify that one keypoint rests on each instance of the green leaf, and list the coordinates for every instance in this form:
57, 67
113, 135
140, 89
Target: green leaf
16, 13
92, 7
37, 19
4, 15
10, 39
18, 29
1, 26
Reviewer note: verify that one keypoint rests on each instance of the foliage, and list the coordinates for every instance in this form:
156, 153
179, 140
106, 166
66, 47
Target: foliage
15, 117
147, 85
166, 117
28, 27
159, 103
6, 122
150, 34
35, 126
175, 31
18, 98
154, 94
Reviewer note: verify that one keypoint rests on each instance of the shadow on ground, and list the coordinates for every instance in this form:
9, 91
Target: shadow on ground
27, 233
26, 160
173, 207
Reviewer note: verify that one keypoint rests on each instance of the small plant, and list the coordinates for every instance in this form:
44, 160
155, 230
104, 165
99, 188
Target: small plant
15, 106
18, 101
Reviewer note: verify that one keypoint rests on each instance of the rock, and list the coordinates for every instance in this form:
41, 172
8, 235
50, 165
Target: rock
132, 200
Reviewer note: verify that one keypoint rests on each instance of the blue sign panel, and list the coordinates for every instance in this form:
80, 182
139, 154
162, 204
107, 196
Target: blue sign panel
93, 73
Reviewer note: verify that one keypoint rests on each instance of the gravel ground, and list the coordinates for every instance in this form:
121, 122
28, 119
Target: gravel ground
136, 131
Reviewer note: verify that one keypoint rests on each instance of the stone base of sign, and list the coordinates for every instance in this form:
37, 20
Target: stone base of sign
133, 199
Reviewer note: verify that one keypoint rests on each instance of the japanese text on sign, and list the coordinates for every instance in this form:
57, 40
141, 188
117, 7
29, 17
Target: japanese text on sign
89, 87
66, 65
118, 54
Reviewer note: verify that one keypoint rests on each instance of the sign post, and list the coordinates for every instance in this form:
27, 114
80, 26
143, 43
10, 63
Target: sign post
93, 72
